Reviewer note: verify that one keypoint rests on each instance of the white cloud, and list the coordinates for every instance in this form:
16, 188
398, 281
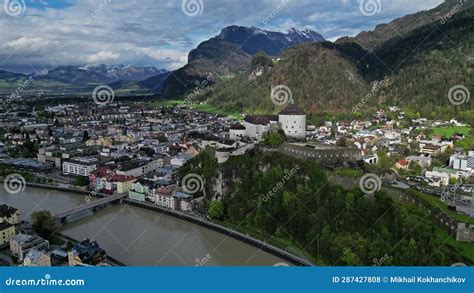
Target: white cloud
157, 33
103, 56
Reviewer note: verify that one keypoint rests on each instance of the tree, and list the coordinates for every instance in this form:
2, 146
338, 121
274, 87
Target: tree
81, 181
342, 142
384, 163
216, 210
85, 136
43, 223
274, 138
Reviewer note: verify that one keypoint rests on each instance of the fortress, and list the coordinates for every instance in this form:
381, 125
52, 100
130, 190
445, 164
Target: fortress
292, 120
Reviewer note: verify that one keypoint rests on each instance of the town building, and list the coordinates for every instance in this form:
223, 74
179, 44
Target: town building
402, 165
6, 232
80, 166
37, 258
441, 176
423, 161
9, 215
86, 253
257, 125
463, 163
164, 198
20, 244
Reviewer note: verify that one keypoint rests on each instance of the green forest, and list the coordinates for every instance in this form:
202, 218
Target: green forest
290, 203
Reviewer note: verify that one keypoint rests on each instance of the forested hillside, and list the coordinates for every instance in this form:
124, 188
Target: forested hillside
420, 66
308, 215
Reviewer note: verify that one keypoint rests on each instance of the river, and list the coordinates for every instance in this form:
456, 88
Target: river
140, 237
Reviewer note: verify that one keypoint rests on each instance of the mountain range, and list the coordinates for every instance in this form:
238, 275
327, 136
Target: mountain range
416, 58
230, 53
412, 62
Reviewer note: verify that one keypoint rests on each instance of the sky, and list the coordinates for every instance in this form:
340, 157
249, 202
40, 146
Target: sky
41, 34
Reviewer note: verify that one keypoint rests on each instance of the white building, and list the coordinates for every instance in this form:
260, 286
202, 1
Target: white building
37, 258
293, 122
463, 163
237, 132
80, 166
256, 126
20, 244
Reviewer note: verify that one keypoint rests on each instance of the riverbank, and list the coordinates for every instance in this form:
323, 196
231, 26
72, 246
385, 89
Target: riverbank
271, 249
110, 259
226, 231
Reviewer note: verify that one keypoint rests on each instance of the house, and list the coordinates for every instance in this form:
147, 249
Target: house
423, 161
430, 149
119, 183
20, 244
370, 159
164, 198
139, 167
139, 191
97, 177
9, 215
402, 165
184, 201
180, 160
86, 253
442, 175
6, 232
37, 258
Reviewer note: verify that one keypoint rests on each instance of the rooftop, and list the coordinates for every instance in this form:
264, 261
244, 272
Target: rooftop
7, 211
260, 119
292, 109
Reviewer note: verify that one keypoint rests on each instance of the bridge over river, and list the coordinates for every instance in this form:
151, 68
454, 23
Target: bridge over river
91, 205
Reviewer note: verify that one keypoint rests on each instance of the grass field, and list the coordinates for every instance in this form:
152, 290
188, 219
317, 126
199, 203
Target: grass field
214, 110
168, 103
199, 107
450, 131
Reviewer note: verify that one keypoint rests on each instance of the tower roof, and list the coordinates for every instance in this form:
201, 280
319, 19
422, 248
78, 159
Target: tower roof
292, 109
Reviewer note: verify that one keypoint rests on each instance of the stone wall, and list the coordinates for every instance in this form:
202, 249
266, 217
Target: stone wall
322, 154
459, 230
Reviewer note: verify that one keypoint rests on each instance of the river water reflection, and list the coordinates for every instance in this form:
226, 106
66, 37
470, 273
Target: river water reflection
141, 237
